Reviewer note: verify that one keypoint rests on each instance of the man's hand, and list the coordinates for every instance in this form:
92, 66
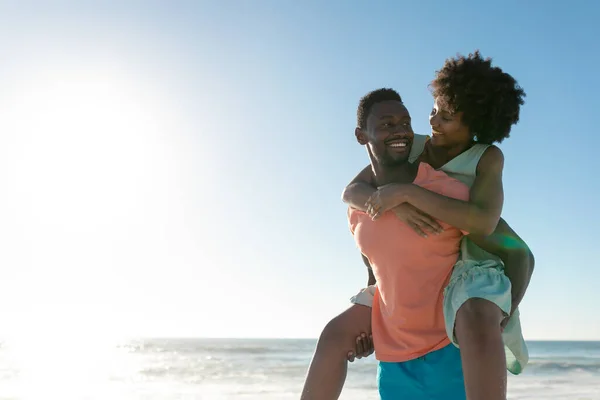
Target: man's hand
512, 311
505, 322
419, 221
364, 347
385, 198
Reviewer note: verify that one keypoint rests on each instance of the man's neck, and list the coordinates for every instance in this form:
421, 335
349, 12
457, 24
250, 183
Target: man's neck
401, 173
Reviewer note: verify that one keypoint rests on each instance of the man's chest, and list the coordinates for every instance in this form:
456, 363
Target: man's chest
387, 242
391, 245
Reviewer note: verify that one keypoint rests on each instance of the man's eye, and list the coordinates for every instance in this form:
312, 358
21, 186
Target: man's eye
407, 124
432, 112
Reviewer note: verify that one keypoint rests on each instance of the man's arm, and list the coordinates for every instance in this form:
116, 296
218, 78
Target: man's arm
516, 255
360, 189
372, 280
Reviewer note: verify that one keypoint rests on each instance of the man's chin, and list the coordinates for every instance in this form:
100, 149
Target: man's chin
394, 161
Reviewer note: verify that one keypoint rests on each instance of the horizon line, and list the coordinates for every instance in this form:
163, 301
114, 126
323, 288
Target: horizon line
302, 338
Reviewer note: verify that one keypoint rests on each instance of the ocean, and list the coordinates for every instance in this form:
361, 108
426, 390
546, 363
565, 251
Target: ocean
252, 369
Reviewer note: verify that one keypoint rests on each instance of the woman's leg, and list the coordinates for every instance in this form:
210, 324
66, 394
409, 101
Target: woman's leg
328, 368
482, 350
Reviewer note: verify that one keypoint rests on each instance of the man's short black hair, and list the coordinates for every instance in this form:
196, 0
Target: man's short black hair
489, 98
370, 99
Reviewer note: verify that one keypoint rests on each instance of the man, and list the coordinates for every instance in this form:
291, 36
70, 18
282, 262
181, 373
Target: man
416, 358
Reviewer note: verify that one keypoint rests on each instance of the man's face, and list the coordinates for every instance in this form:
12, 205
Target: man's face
388, 133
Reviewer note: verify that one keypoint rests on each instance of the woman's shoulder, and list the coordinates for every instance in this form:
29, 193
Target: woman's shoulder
492, 160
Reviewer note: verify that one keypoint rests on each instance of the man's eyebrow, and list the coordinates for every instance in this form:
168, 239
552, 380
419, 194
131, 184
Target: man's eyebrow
393, 116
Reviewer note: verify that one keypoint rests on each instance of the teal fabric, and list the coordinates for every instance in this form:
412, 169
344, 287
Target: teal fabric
436, 376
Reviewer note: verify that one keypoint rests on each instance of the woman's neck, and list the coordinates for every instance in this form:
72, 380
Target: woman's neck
437, 156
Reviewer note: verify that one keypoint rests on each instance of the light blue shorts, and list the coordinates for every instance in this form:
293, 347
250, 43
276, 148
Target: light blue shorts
475, 279
435, 376
485, 279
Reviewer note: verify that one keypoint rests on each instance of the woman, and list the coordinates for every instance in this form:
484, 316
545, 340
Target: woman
476, 105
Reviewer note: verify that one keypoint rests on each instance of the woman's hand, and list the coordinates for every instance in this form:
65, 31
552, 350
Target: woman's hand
420, 222
384, 199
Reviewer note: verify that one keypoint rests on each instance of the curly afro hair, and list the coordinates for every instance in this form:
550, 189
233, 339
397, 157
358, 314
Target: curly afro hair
489, 98
372, 98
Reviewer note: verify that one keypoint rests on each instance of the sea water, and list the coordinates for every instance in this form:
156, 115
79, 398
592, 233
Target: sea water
250, 369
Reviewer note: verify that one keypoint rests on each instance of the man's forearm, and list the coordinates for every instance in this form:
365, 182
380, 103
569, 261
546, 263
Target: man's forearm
518, 268
356, 195
515, 254
372, 280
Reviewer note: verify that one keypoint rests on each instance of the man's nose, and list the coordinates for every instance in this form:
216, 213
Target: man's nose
402, 130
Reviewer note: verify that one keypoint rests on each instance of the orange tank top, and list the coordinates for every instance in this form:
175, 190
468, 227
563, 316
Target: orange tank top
411, 272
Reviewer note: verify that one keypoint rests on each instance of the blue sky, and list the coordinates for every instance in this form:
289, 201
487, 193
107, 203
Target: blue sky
175, 168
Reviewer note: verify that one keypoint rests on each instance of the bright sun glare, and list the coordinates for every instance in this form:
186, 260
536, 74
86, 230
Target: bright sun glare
89, 158
85, 141
87, 150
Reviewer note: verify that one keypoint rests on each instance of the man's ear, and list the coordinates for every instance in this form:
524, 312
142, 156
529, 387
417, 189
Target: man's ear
361, 136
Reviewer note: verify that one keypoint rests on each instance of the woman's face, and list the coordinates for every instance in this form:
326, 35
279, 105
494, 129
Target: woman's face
447, 129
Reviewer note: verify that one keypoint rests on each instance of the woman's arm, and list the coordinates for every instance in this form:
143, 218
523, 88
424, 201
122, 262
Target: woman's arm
479, 215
